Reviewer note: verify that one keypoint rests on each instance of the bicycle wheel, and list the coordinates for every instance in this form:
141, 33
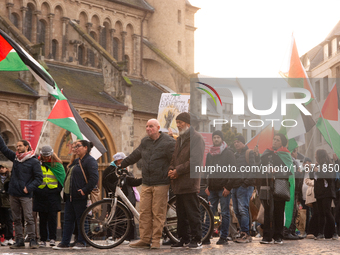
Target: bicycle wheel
207, 220
101, 233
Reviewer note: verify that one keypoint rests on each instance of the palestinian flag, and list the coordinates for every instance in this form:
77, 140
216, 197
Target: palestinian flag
294, 71
65, 116
296, 135
329, 125
15, 58
263, 140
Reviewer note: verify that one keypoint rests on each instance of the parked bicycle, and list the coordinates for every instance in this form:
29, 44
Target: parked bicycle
106, 223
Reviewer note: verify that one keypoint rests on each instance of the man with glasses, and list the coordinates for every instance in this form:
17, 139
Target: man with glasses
26, 176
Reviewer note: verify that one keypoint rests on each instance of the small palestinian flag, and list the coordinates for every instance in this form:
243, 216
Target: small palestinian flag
15, 58
65, 116
329, 126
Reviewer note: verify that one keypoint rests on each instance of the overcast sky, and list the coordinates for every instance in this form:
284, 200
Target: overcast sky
247, 38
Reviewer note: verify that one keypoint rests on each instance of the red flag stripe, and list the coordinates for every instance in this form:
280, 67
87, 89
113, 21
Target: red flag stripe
61, 110
5, 48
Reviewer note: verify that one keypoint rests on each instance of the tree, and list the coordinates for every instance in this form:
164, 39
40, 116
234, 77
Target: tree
229, 135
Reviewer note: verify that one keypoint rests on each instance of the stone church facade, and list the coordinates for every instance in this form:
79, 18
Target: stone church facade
112, 58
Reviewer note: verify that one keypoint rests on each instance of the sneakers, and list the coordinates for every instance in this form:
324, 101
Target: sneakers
140, 244
244, 238
180, 244
195, 245
34, 244
264, 241
60, 246
79, 246
278, 241
206, 242
320, 237
42, 244
19, 244
222, 241
335, 237
7, 242
52, 242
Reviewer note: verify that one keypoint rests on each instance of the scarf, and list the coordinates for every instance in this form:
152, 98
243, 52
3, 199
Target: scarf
214, 150
58, 171
24, 156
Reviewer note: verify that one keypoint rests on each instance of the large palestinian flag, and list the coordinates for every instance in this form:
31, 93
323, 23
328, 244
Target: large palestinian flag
65, 116
15, 58
263, 140
329, 125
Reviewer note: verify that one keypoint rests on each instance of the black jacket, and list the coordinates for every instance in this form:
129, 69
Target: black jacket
246, 178
110, 180
24, 174
224, 159
77, 182
324, 184
47, 200
155, 157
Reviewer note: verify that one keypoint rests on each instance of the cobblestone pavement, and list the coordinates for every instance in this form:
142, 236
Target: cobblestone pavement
306, 246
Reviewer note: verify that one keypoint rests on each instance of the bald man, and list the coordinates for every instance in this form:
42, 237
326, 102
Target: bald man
155, 152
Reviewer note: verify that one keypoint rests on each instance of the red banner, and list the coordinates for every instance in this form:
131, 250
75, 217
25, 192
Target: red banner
30, 131
208, 143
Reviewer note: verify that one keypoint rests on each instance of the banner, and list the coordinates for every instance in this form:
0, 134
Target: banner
30, 131
170, 106
207, 137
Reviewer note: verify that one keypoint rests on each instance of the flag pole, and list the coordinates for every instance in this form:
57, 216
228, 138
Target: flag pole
41, 133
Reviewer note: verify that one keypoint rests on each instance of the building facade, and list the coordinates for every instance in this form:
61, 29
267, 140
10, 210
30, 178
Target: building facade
112, 58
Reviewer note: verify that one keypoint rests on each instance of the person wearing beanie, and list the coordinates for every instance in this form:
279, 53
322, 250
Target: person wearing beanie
154, 153
46, 198
185, 188
220, 155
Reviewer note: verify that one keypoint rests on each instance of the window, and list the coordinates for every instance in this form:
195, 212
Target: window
29, 22
54, 49
253, 133
212, 128
15, 20
81, 55
325, 87
317, 90
42, 36
179, 47
244, 133
115, 48
179, 16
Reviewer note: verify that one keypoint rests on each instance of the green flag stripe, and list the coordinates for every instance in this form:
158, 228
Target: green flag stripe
69, 125
335, 136
12, 62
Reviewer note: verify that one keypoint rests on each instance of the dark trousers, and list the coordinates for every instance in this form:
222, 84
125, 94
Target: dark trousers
48, 225
273, 224
6, 221
313, 227
337, 212
325, 214
188, 217
73, 212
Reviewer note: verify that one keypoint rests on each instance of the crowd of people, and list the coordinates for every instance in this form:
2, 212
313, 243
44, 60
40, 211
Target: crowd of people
35, 186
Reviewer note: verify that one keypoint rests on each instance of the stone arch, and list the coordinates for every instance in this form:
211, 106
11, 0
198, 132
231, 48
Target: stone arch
45, 9
63, 143
83, 18
15, 19
131, 24
62, 6
9, 132
55, 49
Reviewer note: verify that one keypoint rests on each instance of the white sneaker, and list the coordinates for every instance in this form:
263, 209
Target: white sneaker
126, 242
5, 243
11, 241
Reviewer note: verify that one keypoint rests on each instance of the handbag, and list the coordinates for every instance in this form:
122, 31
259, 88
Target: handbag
281, 189
95, 193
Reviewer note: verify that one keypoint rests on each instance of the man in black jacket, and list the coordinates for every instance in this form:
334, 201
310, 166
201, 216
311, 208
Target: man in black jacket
155, 152
220, 155
26, 176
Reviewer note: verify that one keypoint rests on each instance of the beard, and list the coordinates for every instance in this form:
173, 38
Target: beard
183, 130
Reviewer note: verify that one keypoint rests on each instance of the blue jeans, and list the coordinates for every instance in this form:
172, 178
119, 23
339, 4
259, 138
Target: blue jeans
214, 197
241, 197
73, 213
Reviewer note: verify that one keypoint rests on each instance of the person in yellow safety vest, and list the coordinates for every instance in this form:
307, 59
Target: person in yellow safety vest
46, 198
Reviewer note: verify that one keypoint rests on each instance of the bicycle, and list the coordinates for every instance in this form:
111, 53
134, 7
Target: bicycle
106, 223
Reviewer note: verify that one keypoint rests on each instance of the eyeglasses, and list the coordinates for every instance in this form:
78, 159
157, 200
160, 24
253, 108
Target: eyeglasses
77, 146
